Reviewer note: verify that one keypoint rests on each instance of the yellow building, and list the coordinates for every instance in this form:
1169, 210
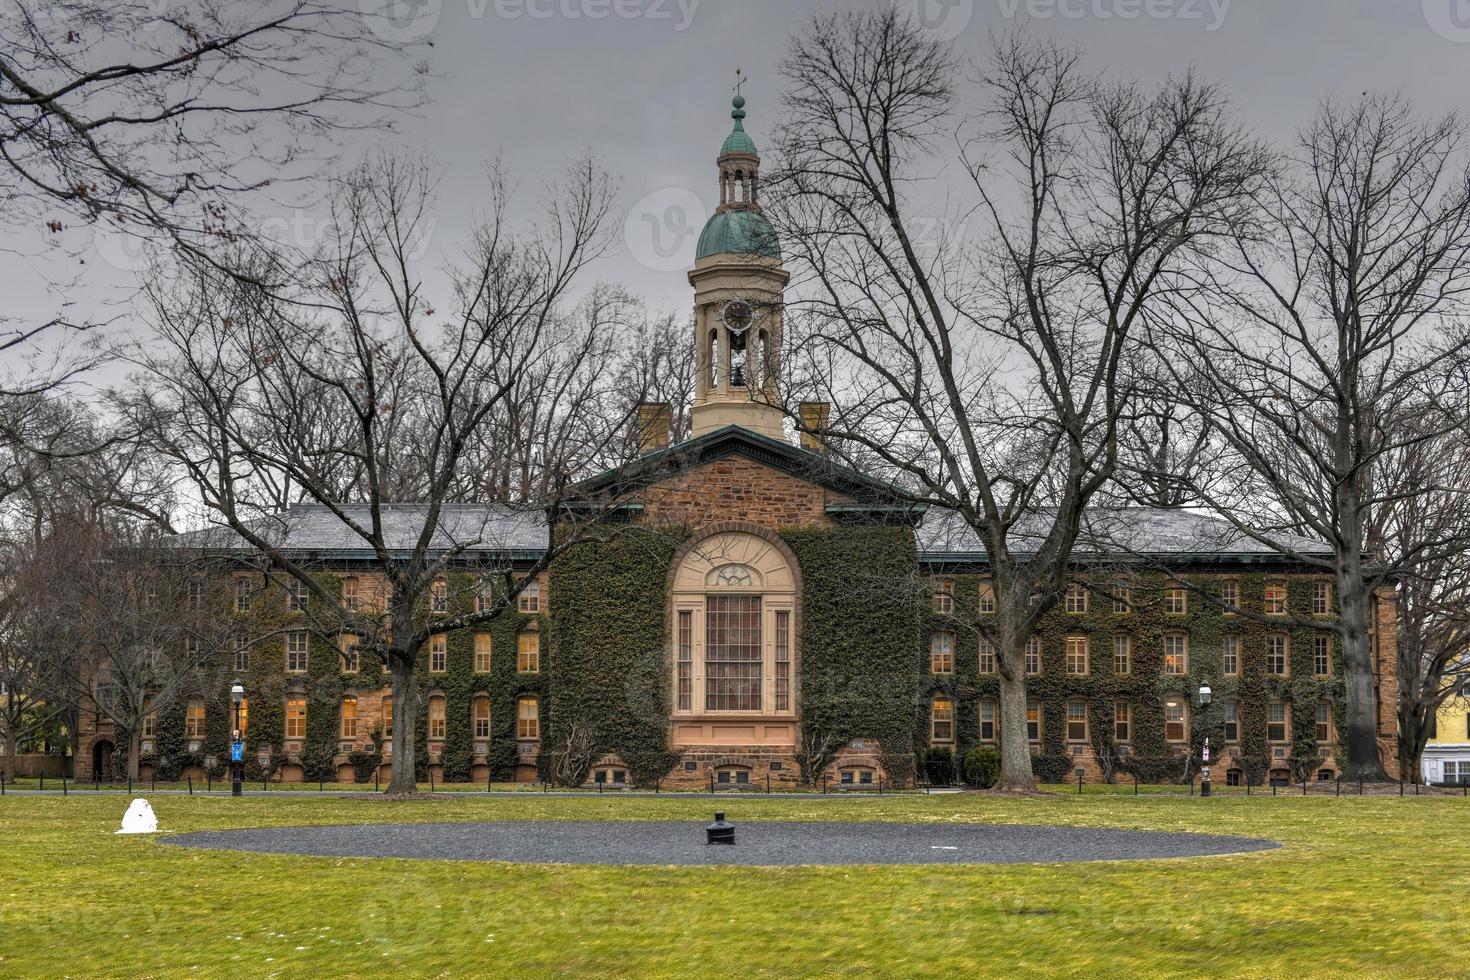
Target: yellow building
1447, 753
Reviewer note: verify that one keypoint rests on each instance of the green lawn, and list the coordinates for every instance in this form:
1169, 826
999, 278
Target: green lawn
1368, 886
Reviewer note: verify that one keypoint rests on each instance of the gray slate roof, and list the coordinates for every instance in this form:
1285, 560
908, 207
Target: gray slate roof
1146, 532
313, 528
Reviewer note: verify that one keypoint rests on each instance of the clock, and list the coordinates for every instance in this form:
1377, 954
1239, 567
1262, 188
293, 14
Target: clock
738, 315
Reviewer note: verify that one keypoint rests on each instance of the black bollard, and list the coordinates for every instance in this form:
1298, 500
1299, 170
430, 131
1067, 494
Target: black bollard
720, 832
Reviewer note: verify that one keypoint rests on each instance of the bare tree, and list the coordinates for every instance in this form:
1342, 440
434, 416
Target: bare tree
262, 402
123, 628
1425, 535
1329, 344
982, 365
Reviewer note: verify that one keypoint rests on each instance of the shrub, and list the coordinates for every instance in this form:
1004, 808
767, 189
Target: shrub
939, 765
982, 766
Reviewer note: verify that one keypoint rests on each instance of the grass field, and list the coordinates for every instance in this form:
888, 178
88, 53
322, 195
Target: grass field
1369, 886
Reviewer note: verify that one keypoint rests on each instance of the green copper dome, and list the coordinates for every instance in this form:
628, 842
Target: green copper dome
738, 141
740, 231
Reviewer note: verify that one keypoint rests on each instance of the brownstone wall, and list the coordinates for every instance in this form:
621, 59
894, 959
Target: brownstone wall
737, 489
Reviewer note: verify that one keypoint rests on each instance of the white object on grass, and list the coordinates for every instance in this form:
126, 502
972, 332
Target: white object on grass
140, 819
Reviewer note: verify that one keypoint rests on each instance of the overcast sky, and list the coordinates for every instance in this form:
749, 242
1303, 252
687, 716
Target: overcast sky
646, 84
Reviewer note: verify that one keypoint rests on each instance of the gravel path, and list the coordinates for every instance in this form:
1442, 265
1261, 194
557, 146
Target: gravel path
757, 843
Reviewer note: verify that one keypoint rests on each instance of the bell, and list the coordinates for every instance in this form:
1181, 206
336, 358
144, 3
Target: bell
720, 832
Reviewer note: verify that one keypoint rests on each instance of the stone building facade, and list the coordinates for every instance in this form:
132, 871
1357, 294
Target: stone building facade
773, 618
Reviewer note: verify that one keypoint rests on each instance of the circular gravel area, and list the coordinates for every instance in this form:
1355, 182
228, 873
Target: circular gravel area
757, 843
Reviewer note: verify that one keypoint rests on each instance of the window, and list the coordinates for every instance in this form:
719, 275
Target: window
987, 720
1076, 721
1230, 595
1075, 600
1033, 721
1276, 721
987, 656
296, 652
1322, 655
1231, 710
1122, 654
150, 724
1276, 654
482, 595
439, 596
349, 717
1324, 723
1077, 655
941, 725
529, 601
482, 717
295, 596
1176, 721
528, 718
241, 650
941, 653
196, 596
1122, 597
685, 672
438, 654
295, 717
1033, 655
194, 720
1321, 598
736, 775
1275, 599
1176, 653
243, 718
944, 596
242, 593
987, 597
1230, 655
1122, 721
349, 592
388, 716
436, 717
482, 653
1456, 772
1176, 601
732, 653
528, 652
783, 659
351, 656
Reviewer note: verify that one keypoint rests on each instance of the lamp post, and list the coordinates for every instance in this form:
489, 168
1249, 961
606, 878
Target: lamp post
237, 743
1204, 722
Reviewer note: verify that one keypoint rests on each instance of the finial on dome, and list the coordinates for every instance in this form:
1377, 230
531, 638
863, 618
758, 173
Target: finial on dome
738, 112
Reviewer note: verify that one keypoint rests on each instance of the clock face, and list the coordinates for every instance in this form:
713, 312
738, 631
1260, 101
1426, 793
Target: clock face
738, 315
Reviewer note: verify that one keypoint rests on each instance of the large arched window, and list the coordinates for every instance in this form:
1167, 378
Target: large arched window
734, 606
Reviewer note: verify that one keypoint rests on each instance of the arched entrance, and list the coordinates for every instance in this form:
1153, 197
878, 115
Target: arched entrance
102, 751
733, 603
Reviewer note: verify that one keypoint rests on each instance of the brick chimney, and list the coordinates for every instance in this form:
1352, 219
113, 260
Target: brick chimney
653, 426
814, 425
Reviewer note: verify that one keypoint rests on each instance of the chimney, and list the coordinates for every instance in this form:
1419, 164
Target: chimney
653, 426
814, 425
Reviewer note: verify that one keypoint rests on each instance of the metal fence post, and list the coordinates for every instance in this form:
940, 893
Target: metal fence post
824, 784
190, 777
1304, 786
1339, 785
1401, 785
43, 782
768, 784
1273, 787
1135, 784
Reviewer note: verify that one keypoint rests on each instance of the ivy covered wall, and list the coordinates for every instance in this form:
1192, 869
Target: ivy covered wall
862, 633
1146, 686
607, 656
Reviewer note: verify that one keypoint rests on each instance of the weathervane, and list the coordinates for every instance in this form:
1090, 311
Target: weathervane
740, 79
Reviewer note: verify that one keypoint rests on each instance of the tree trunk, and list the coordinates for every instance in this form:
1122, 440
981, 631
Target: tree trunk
11, 743
1363, 759
1015, 748
405, 720
135, 749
